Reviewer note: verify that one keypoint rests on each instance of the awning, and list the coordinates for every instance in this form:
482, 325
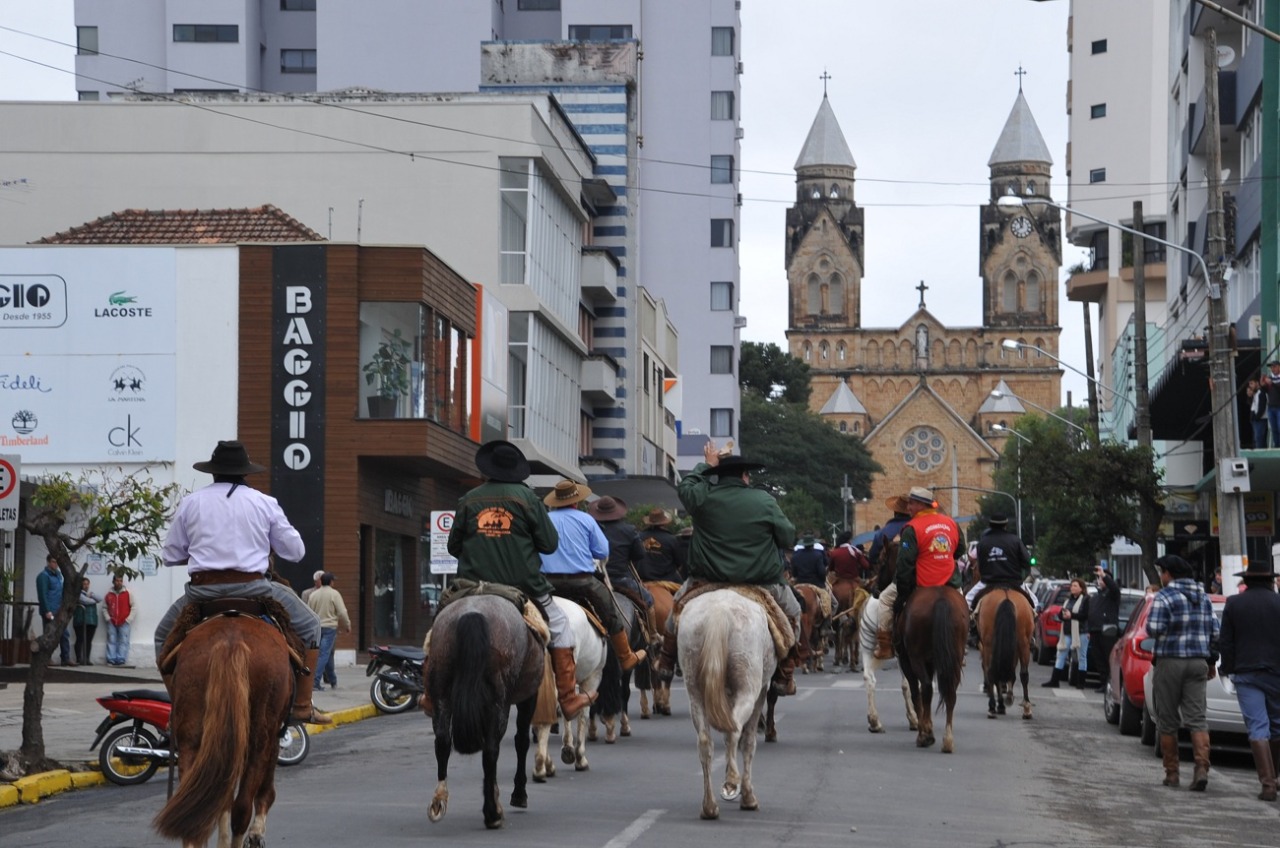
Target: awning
1264, 472
1181, 406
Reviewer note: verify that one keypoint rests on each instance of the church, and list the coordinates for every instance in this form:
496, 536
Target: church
920, 394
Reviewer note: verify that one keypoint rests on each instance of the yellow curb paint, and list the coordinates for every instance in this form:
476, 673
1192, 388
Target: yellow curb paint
347, 716
34, 787
8, 795
81, 779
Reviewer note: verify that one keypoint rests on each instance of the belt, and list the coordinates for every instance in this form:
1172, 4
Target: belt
215, 578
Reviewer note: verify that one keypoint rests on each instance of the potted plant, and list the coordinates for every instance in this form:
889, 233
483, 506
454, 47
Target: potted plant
388, 371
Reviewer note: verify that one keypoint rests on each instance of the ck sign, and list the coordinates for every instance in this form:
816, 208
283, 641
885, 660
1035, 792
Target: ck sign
9, 492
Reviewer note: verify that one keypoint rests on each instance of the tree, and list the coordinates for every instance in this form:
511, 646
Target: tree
118, 516
772, 373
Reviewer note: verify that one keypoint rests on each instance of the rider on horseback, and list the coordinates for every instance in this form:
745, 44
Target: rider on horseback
739, 531
225, 534
930, 545
1003, 562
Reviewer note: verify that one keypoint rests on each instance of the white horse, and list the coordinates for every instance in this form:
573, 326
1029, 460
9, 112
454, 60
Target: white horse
589, 653
728, 659
867, 644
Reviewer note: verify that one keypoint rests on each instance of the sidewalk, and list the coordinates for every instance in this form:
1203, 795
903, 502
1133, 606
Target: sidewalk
71, 715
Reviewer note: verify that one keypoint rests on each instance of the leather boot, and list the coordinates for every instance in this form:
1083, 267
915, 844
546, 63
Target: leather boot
1262, 760
303, 710
884, 643
1169, 751
622, 647
1076, 677
784, 681
1200, 751
668, 658
1054, 680
571, 700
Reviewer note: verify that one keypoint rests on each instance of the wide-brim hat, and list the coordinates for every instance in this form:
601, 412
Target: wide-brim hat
919, 494
567, 493
1257, 569
502, 461
998, 520
736, 465
657, 517
897, 503
807, 541
607, 508
229, 458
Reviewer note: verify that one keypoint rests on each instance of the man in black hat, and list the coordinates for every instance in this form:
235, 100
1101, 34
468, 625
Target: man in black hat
1003, 561
809, 561
1250, 645
225, 534
663, 554
499, 530
739, 533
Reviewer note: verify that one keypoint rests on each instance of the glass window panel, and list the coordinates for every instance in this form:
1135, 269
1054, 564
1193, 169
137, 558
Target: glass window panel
721, 359
722, 232
721, 296
721, 423
722, 105
722, 41
87, 40
297, 61
721, 169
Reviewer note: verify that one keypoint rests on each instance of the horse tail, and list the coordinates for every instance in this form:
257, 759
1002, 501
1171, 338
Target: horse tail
609, 692
1004, 642
947, 658
471, 695
210, 781
712, 672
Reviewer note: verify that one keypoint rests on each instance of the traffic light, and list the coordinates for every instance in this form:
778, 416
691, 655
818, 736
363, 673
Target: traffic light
1033, 556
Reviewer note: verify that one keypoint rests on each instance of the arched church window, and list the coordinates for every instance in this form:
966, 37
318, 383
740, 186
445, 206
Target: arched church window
844, 427
857, 427
808, 351
841, 351
922, 342
817, 193
814, 286
835, 297
824, 351
835, 192
1009, 292
923, 449
1033, 292
1022, 348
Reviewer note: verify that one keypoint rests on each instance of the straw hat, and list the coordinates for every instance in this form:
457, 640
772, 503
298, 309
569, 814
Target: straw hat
920, 494
897, 503
566, 493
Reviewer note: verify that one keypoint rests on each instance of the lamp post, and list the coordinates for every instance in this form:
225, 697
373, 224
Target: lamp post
996, 393
1000, 428
1014, 344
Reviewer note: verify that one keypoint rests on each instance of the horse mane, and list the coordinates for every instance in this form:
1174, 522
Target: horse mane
472, 697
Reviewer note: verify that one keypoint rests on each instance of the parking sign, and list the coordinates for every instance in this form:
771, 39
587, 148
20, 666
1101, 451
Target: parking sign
9, 491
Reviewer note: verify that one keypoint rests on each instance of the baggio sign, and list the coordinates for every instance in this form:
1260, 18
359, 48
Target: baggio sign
298, 397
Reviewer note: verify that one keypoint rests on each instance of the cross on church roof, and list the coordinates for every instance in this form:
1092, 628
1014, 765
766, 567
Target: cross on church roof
1020, 73
921, 288
824, 77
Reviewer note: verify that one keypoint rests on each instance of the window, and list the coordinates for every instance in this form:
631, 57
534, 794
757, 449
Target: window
1099, 46
1033, 292
722, 105
721, 296
1098, 110
1153, 251
538, 5
722, 232
1098, 175
297, 61
1100, 244
721, 423
600, 32
86, 41
722, 359
721, 169
298, 5
88, 95
722, 41
844, 426
1009, 293
222, 33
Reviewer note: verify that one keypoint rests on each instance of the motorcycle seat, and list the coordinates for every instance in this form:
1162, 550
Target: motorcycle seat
142, 695
402, 652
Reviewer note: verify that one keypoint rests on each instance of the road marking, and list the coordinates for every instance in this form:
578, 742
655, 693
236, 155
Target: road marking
1070, 694
634, 830
804, 694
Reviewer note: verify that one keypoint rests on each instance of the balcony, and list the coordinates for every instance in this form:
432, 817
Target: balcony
599, 275
1226, 112
599, 381
1087, 286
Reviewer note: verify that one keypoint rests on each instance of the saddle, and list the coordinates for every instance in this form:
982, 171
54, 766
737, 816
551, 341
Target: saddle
461, 587
584, 600
784, 636
195, 614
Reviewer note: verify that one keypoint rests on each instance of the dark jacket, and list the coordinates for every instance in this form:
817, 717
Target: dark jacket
1250, 640
809, 565
738, 529
663, 556
625, 550
886, 534
1002, 558
498, 531
1104, 606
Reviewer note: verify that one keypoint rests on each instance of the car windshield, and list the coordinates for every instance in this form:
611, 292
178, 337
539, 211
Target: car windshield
1128, 603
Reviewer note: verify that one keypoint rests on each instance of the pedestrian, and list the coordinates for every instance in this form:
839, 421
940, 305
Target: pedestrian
1215, 584
1186, 651
1257, 412
1104, 624
1270, 387
663, 554
326, 602
121, 611
1250, 646
625, 550
49, 597
225, 534
740, 531
809, 562
499, 530
571, 567
315, 584
1073, 637
85, 621
1002, 562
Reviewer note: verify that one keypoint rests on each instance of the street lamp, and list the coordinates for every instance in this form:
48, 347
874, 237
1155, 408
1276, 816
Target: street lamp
1017, 502
1000, 428
1014, 344
996, 393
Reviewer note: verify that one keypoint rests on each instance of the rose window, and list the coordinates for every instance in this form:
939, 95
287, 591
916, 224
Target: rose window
923, 449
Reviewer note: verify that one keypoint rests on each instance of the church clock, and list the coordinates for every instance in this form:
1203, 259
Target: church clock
1021, 226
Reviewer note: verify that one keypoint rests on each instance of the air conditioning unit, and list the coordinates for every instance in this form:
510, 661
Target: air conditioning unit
738, 202
739, 321
739, 67
737, 132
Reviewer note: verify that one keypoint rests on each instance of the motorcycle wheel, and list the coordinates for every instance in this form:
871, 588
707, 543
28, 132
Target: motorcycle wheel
128, 770
294, 745
390, 698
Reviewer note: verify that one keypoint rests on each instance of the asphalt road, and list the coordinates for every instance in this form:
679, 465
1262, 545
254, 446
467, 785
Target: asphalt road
1064, 779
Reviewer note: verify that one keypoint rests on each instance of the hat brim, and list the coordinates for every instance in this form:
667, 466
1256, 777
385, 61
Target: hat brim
662, 522
1248, 573
736, 465
485, 462
210, 467
552, 500
897, 503
619, 510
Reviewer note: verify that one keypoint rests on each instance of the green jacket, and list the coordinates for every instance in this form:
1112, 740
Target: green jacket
499, 529
737, 529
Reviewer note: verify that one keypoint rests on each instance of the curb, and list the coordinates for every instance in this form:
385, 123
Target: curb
32, 788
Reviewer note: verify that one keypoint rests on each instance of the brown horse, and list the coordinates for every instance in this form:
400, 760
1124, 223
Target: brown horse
931, 638
232, 690
814, 623
1005, 622
850, 599
662, 603
483, 658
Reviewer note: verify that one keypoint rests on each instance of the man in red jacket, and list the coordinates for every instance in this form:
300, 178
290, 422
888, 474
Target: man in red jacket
120, 614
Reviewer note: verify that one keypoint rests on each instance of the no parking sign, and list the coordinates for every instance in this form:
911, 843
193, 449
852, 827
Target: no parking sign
441, 561
9, 492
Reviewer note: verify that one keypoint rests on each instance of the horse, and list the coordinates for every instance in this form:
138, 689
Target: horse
850, 600
931, 643
814, 624
1005, 622
482, 659
728, 658
648, 680
611, 708
232, 692
590, 654
868, 626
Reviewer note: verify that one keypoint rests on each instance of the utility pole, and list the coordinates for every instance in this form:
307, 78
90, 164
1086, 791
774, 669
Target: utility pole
1149, 520
1226, 434
1092, 386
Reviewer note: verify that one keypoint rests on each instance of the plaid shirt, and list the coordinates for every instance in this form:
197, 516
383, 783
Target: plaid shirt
1182, 622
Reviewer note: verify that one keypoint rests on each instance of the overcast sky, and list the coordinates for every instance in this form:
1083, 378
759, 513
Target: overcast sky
921, 90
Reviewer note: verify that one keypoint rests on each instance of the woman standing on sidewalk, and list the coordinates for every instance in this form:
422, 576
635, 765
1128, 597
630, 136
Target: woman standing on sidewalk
85, 621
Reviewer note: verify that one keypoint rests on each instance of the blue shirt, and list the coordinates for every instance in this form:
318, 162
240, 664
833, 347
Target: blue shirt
1182, 621
582, 542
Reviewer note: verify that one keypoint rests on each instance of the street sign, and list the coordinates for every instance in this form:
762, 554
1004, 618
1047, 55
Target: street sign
9, 491
441, 524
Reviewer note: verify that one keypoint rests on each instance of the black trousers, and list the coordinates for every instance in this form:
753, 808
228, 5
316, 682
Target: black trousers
1100, 653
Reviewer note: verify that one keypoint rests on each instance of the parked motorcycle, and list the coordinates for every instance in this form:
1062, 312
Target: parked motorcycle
398, 681
131, 754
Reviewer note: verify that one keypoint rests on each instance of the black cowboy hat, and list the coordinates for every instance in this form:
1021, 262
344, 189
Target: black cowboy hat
607, 508
1257, 569
998, 520
502, 461
736, 465
230, 459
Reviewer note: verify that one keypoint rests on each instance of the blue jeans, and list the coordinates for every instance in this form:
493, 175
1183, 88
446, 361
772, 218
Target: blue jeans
1259, 433
1273, 419
1064, 651
117, 643
324, 666
1259, 697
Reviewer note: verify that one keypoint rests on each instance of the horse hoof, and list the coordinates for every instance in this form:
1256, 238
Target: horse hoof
771, 736
493, 825
991, 713
520, 800
592, 736
566, 756
730, 793
711, 814
875, 728
1027, 716
749, 806
609, 740
539, 778
436, 811
644, 716
583, 767
255, 840
626, 731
